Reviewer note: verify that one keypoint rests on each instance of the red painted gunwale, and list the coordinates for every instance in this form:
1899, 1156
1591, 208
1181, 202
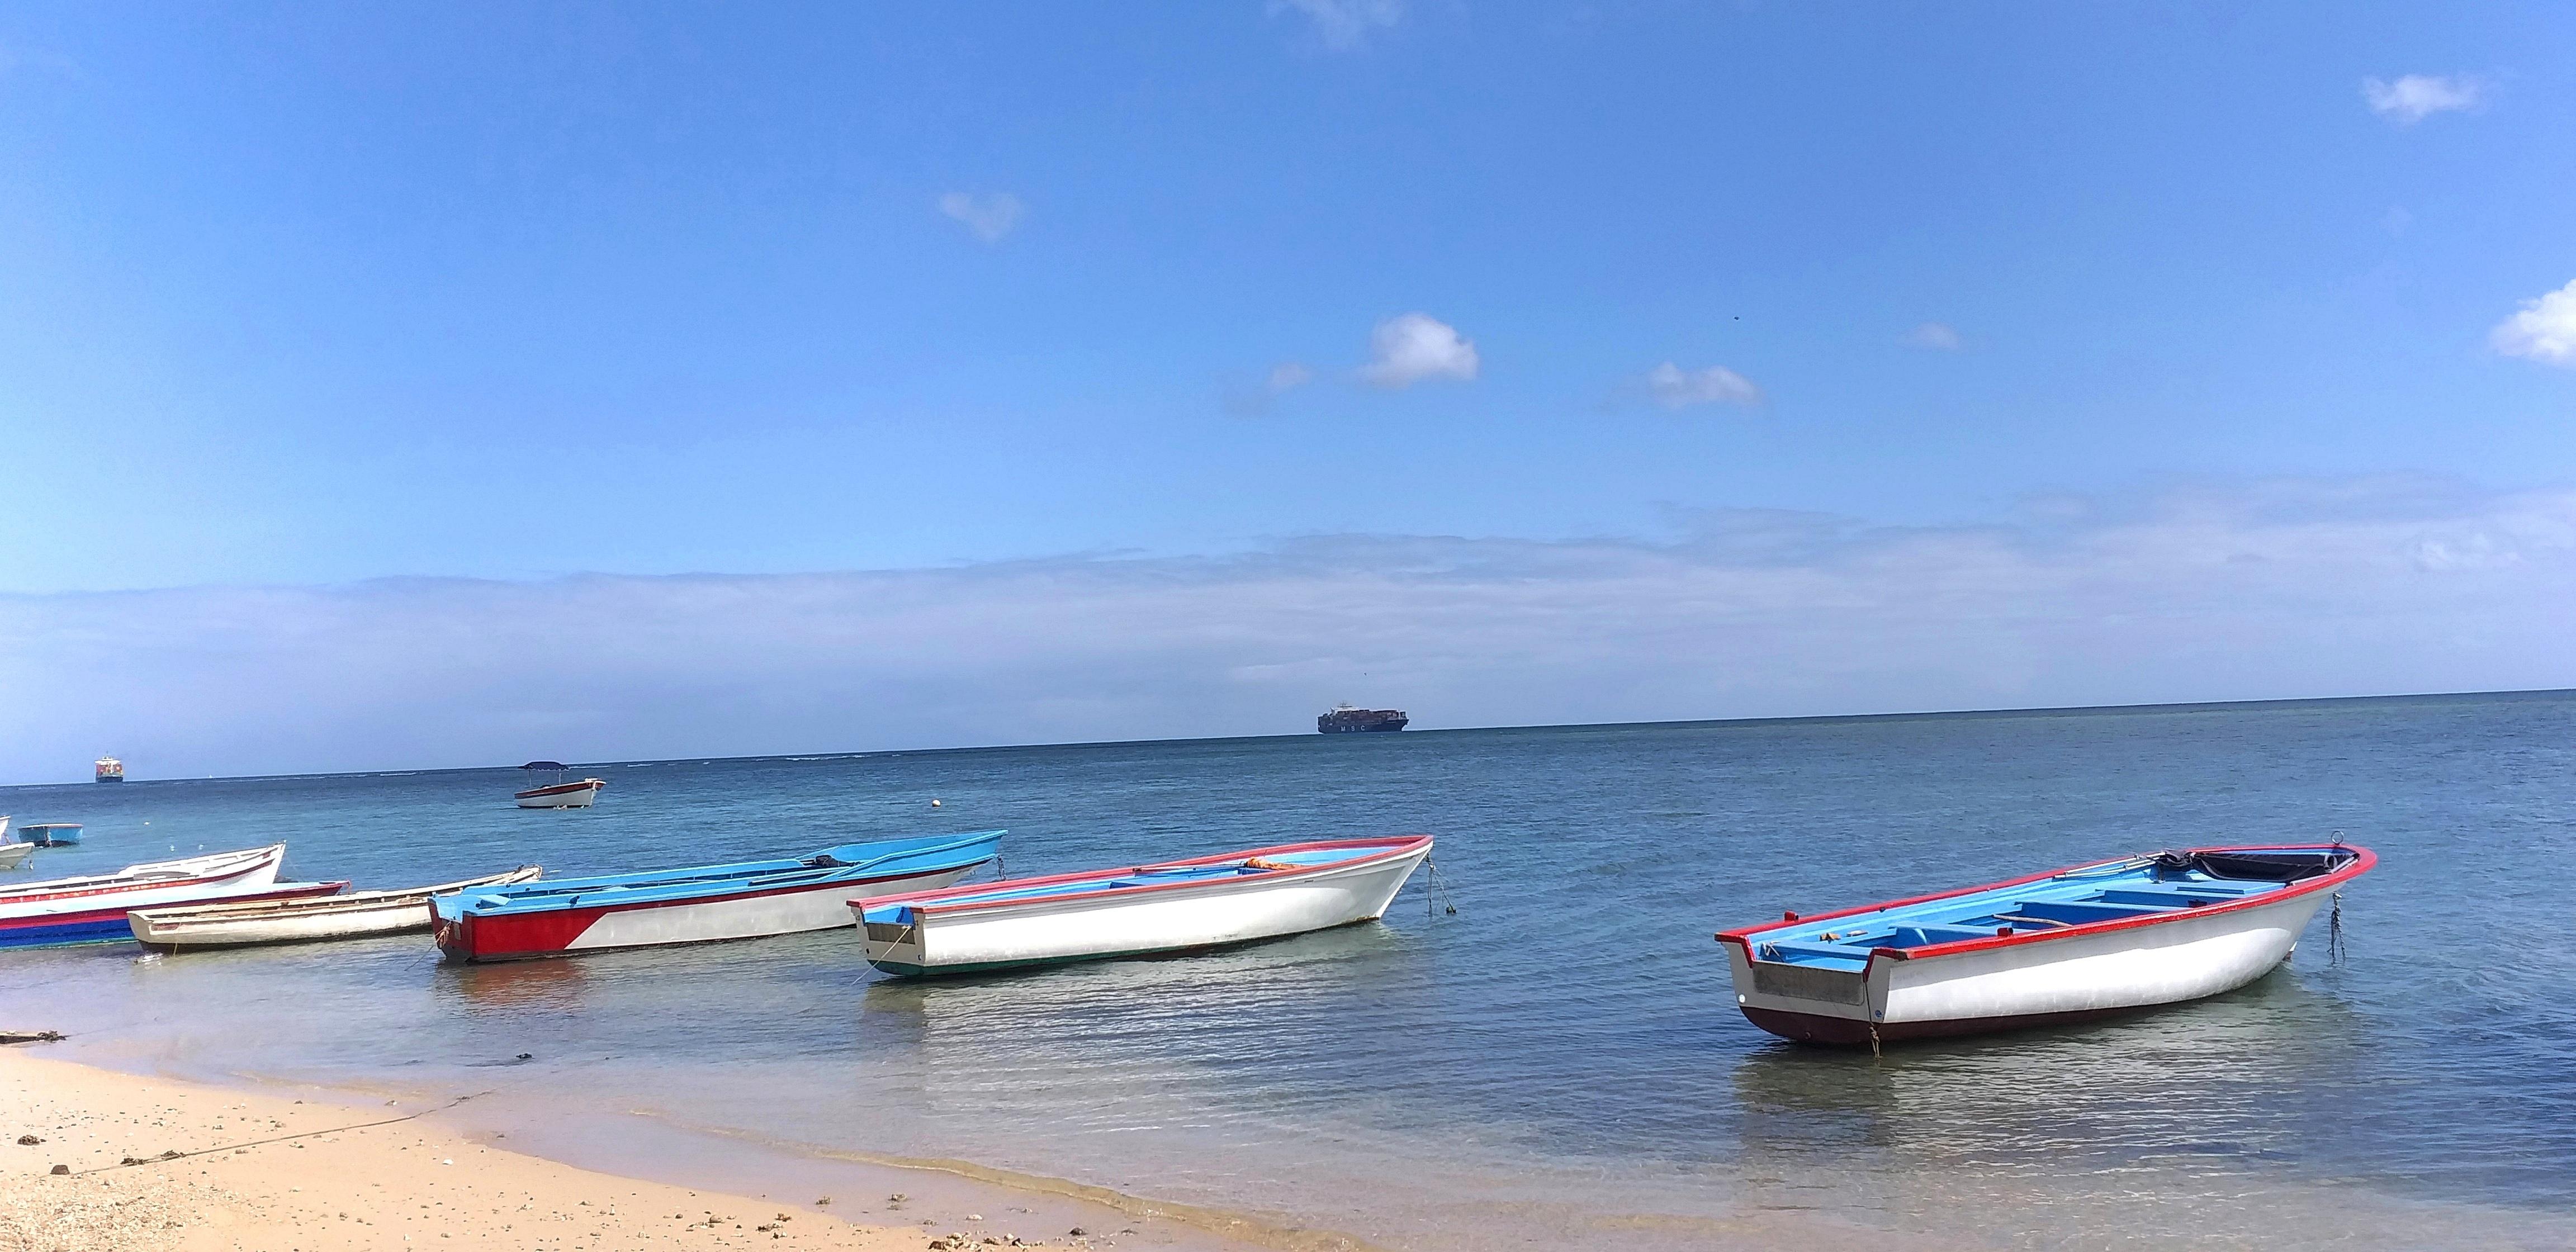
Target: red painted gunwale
929, 901
556, 789
2360, 864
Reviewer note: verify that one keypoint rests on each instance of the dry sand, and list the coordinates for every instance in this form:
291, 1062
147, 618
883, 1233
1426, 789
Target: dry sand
256, 1171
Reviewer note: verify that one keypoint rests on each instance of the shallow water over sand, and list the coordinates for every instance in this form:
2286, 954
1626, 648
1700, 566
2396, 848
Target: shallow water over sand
1561, 1058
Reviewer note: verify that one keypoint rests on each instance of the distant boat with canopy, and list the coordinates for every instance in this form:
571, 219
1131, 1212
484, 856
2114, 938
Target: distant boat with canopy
553, 792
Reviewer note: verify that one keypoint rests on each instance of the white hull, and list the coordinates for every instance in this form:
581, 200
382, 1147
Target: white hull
1043, 931
2185, 958
579, 796
13, 855
787, 912
351, 916
133, 886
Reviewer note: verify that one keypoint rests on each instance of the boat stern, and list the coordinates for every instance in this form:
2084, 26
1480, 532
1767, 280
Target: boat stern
1837, 1002
892, 935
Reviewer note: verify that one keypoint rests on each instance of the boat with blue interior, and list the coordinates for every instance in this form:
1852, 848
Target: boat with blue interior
2050, 948
750, 899
1139, 910
93, 908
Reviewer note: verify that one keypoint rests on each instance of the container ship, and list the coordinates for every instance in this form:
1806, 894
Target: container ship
110, 769
1344, 719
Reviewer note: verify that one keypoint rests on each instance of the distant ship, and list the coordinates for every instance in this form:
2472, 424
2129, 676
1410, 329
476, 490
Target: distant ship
110, 769
1344, 719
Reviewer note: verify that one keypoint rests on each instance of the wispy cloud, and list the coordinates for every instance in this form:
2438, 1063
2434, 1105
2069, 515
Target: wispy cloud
1937, 336
1676, 388
2544, 330
1343, 25
2215, 591
1255, 401
988, 217
1416, 347
2415, 97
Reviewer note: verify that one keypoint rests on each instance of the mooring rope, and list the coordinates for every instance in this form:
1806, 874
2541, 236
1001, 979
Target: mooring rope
1431, 883
132, 1161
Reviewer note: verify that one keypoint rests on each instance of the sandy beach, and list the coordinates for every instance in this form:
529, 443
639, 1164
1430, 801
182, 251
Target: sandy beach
98, 1160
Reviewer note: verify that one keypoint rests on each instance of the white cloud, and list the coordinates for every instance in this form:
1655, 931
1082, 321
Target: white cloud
989, 217
2415, 97
2219, 591
2545, 329
1343, 25
1934, 335
1417, 346
1674, 387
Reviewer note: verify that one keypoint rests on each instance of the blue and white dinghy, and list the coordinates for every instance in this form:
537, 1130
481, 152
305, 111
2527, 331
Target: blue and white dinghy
1176, 906
751, 899
2051, 948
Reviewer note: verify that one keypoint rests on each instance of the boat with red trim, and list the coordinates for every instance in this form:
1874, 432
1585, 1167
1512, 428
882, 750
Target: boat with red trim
2050, 948
92, 909
580, 793
751, 899
1142, 910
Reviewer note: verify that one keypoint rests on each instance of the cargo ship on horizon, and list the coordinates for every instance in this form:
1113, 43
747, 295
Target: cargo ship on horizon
1344, 719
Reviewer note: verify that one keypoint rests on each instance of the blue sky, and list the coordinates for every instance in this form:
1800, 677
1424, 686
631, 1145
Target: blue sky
301, 298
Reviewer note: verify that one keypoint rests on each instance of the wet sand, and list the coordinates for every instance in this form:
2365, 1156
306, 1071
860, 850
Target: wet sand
139, 1164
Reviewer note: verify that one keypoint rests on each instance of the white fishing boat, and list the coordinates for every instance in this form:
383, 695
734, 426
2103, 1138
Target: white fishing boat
357, 914
1175, 906
92, 909
578, 794
13, 855
2048, 949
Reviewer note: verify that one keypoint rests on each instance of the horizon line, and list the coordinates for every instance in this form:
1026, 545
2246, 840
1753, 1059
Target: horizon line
2174, 706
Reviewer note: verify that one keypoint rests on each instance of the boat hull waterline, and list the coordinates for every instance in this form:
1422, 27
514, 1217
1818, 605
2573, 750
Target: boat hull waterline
356, 915
751, 900
2147, 944
1288, 889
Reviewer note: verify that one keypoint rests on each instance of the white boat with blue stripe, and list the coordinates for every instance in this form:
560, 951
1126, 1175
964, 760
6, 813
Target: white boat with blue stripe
1142, 910
2051, 948
748, 900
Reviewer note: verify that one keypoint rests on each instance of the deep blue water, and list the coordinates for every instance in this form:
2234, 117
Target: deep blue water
1564, 1049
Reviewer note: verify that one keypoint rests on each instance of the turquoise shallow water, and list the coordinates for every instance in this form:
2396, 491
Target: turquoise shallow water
1562, 1055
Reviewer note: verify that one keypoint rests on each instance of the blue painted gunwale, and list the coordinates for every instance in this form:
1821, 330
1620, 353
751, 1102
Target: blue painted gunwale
1142, 879
881, 859
2083, 899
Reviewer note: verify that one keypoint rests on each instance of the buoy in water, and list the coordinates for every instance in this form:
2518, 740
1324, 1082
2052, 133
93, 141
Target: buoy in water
934, 804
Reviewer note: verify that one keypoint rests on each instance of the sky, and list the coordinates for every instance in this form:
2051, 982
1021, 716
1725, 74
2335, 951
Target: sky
425, 385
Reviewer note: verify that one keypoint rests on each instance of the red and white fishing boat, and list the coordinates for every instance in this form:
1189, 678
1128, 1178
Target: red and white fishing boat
2050, 948
570, 795
558, 795
745, 900
93, 909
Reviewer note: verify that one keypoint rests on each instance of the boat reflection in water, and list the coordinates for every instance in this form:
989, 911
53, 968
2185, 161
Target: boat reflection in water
2223, 1090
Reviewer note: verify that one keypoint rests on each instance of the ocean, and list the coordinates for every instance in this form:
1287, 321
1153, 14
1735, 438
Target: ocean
1559, 1062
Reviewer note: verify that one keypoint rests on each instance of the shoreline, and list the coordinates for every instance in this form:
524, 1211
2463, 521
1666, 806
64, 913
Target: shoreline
154, 1162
